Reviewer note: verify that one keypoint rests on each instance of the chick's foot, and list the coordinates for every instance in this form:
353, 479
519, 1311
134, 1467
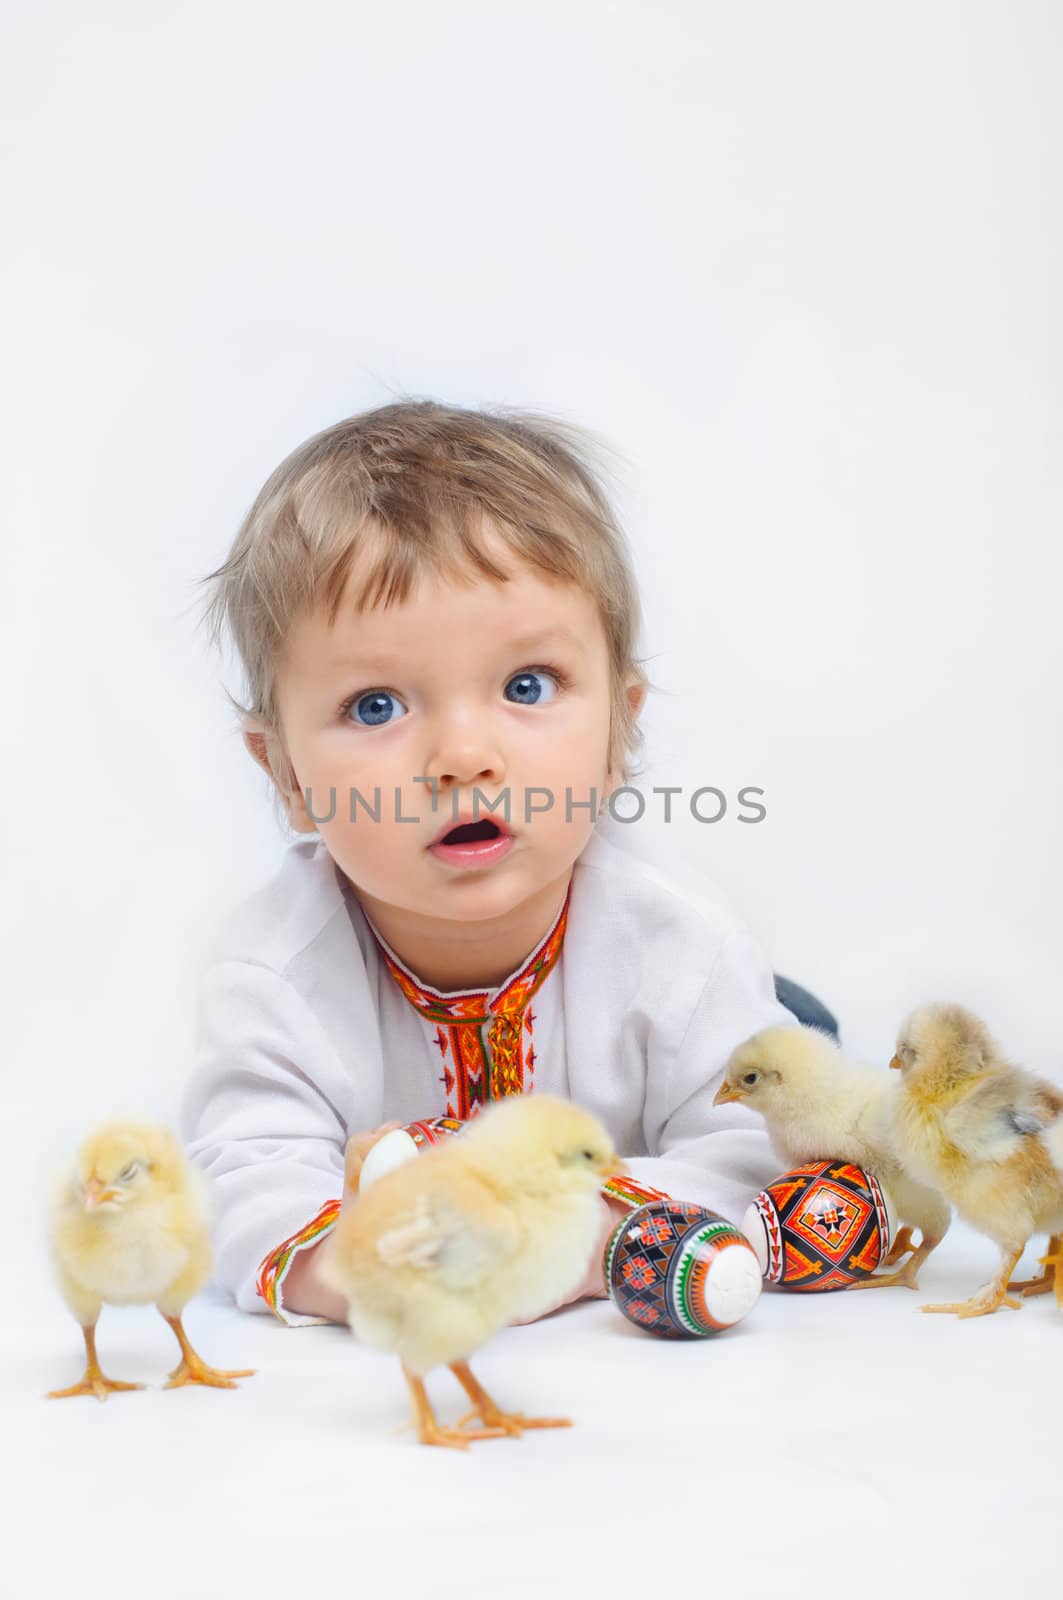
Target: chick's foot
1029, 1287
506, 1424
977, 1306
197, 1371
908, 1275
1049, 1279
93, 1381
989, 1299
193, 1369
429, 1430
491, 1415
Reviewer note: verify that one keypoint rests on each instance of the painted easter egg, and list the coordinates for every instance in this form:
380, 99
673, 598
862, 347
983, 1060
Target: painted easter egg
680, 1271
825, 1225
394, 1149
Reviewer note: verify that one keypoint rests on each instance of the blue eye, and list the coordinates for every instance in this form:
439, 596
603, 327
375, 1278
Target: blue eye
528, 688
374, 710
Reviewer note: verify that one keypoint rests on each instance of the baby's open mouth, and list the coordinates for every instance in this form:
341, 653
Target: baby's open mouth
473, 844
471, 832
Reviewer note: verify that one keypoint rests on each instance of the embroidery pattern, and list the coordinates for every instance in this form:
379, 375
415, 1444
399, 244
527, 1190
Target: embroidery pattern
432, 1131
630, 1192
471, 1077
272, 1272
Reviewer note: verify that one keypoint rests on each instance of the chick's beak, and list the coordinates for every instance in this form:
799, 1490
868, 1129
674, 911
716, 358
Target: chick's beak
896, 1064
96, 1192
615, 1168
726, 1093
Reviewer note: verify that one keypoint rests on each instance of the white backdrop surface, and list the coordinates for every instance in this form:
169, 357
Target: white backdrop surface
799, 265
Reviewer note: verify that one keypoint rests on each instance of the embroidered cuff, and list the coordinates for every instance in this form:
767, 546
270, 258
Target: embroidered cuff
274, 1269
631, 1193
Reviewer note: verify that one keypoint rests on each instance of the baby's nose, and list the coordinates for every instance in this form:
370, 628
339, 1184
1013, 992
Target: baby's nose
465, 755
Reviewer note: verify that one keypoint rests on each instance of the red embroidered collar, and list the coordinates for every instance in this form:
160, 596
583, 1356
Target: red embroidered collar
471, 1076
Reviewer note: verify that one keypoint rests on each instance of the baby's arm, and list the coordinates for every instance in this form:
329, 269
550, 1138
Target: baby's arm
716, 1156
260, 1118
304, 1292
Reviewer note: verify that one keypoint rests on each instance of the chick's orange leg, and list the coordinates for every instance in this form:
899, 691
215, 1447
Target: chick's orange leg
94, 1381
902, 1246
193, 1369
992, 1297
908, 1275
1053, 1262
491, 1416
1057, 1261
1048, 1278
428, 1429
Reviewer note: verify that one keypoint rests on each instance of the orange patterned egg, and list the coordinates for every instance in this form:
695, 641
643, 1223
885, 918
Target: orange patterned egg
825, 1225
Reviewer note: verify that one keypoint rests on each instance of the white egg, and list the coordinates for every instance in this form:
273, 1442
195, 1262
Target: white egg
393, 1150
733, 1284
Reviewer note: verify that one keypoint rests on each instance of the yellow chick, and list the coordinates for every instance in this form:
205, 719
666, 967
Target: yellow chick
987, 1134
129, 1227
495, 1225
820, 1107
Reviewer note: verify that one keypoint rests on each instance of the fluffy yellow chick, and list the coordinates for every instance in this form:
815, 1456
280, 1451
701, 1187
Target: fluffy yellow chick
496, 1225
820, 1107
129, 1227
987, 1134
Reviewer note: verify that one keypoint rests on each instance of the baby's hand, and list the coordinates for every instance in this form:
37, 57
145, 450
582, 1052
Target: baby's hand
303, 1290
357, 1148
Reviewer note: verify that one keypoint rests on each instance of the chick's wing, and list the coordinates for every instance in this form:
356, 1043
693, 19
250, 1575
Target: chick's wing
990, 1122
452, 1229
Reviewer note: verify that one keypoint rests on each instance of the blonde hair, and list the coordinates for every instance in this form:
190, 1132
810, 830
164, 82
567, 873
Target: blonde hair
413, 484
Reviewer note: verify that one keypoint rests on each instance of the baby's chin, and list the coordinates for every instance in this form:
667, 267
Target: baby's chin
438, 892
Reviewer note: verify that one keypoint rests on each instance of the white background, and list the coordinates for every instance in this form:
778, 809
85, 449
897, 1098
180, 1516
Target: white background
798, 264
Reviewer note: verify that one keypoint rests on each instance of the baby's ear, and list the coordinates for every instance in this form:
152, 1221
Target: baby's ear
255, 736
264, 746
635, 693
636, 698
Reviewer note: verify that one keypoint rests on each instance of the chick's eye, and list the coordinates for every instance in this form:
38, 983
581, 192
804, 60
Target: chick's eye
129, 1172
376, 709
531, 688
588, 1155
750, 1078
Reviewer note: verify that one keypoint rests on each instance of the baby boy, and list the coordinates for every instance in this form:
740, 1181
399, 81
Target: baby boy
437, 617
